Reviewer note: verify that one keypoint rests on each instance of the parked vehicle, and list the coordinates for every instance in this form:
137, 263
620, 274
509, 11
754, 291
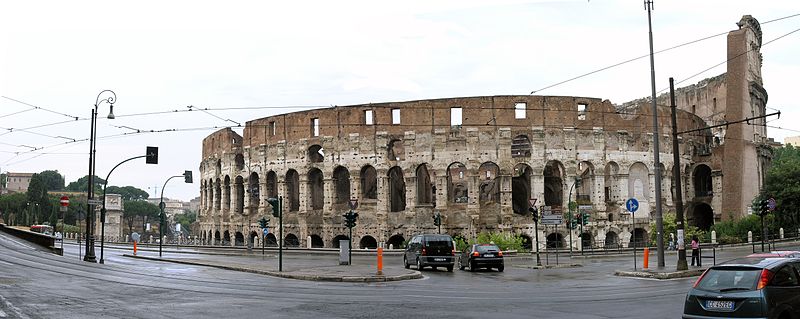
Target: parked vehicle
432, 250
747, 288
481, 256
42, 229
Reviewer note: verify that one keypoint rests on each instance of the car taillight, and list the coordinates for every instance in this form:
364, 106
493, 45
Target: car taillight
424, 252
475, 254
452, 252
700, 279
500, 253
766, 276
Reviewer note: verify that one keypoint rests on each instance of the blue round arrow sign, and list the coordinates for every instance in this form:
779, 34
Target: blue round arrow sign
632, 205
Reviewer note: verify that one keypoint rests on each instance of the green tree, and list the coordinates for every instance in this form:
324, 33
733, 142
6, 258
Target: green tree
670, 227
82, 185
783, 184
141, 209
37, 199
12, 206
53, 180
128, 192
186, 219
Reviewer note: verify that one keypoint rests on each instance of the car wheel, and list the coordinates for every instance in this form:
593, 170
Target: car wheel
405, 262
449, 268
471, 266
500, 269
419, 264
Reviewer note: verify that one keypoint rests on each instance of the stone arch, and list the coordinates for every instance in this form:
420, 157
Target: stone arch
396, 150
316, 189
555, 241
335, 241
521, 189
424, 185
219, 166
489, 189
368, 242
527, 242
271, 240
553, 184
239, 239
317, 242
239, 162
369, 182
293, 190
316, 154
396, 241
239, 186
639, 237
702, 216
224, 192
272, 185
291, 241
341, 184
397, 190
217, 238
611, 187
226, 238
253, 190
612, 240
585, 190
521, 146
701, 179
457, 183
586, 239
252, 238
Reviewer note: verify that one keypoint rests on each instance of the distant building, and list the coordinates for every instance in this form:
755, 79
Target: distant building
194, 204
17, 182
794, 140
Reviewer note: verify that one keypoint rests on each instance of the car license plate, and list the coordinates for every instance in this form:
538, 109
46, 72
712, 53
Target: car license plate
720, 305
488, 255
439, 259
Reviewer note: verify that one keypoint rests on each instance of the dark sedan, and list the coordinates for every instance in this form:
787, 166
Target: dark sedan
747, 288
481, 256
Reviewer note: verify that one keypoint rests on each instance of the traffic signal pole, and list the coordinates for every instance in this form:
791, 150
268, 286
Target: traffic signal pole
280, 240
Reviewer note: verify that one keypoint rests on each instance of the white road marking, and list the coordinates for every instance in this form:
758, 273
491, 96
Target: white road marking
26, 245
15, 311
5, 263
2, 314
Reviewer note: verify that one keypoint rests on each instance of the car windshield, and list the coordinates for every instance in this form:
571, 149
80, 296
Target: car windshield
486, 248
730, 279
439, 241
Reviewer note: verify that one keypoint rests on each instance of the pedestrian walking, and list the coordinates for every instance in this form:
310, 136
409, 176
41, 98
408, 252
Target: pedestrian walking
695, 250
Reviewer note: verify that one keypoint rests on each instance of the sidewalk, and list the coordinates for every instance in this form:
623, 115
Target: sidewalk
316, 268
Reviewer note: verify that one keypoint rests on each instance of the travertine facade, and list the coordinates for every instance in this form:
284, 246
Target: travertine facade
478, 161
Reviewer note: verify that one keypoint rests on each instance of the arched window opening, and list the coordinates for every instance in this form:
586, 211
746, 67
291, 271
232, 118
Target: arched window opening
489, 189
335, 242
316, 242
369, 183
424, 186
239, 161
239, 186
341, 183
702, 181
272, 185
521, 146
253, 191
397, 190
396, 242
396, 150
316, 189
293, 190
458, 191
291, 241
368, 242
316, 154
611, 188
521, 189
553, 184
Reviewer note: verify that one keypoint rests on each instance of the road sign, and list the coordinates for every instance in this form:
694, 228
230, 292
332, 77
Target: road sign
632, 205
353, 204
532, 201
266, 231
135, 236
547, 210
771, 204
64, 201
557, 219
94, 202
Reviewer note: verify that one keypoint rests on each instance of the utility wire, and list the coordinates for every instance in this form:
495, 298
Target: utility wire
40, 108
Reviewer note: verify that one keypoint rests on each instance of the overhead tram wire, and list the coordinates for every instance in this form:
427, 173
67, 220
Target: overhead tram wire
647, 55
40, 108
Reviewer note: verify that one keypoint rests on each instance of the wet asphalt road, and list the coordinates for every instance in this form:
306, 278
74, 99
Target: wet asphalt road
36, 284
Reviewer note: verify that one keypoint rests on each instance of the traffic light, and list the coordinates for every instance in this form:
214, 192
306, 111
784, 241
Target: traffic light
276, 206
437, 219
534, 213
584, 218
350, 219
263, 222
763, 208
152, 155
187, 177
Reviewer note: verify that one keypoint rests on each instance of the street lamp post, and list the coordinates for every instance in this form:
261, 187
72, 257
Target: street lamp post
187, 175
89, 255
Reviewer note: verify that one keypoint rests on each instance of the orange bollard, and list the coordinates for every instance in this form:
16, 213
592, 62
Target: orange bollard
380, 261
134, 247
646, 257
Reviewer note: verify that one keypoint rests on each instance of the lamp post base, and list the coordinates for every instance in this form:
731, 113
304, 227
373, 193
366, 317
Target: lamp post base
89, 256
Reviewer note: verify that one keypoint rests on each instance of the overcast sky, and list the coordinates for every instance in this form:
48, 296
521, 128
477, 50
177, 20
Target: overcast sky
268, 55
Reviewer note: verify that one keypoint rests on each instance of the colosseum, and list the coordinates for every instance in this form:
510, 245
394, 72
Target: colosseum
478, 161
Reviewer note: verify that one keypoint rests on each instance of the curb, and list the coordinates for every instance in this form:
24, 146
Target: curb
551, 266
309, 277
660, 275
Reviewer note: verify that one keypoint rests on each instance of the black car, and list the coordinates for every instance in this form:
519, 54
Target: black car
481, 256
432, 250
747, 288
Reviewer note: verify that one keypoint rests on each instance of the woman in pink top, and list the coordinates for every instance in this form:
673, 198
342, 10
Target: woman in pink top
695, 250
